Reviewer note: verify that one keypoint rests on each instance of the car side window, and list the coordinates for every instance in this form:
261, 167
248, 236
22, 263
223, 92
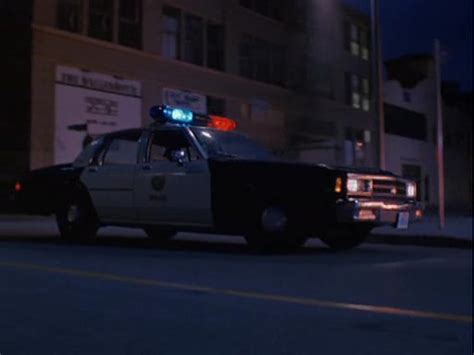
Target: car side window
122, 149
166, 143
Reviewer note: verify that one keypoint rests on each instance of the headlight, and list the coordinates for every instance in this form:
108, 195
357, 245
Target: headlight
358, 185
411, 189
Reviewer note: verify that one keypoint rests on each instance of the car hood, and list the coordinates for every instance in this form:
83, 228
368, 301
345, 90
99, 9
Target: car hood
285, 164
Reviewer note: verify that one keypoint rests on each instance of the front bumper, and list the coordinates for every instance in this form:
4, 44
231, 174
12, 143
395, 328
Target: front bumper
378, 212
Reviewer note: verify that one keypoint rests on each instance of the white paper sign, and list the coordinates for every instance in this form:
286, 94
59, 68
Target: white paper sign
88, 104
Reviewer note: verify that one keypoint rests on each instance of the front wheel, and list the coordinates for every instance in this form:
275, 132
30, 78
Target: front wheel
77, 219
345, 237
271, 230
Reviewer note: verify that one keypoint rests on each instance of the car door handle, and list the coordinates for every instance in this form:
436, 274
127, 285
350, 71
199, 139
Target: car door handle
146, 167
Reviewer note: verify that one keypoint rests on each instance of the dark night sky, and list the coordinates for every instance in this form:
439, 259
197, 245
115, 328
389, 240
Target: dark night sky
409, 26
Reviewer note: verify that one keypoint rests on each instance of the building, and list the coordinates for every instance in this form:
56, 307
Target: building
78, 68
411, 126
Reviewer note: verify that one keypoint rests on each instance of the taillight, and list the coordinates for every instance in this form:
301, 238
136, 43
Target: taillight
18, 187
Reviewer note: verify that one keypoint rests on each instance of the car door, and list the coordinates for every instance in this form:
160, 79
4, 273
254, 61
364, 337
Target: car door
173, 182
110, 182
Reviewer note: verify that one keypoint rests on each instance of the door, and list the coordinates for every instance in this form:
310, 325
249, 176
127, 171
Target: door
173, 183
111, 181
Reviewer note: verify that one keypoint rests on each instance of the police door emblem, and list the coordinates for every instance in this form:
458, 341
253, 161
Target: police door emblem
158, 182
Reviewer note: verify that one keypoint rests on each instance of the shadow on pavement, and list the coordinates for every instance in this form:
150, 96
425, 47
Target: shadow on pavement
207, 246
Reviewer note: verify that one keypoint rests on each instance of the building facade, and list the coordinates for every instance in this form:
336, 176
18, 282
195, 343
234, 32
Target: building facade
293, 74
411, 131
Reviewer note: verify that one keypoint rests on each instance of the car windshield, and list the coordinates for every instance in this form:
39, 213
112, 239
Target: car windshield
230, 145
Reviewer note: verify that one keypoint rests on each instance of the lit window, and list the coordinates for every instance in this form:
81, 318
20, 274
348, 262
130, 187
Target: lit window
364, 44
355, 47
365, 94
356, 99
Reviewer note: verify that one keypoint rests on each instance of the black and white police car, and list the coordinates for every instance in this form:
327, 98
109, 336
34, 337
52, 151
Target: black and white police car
190, 172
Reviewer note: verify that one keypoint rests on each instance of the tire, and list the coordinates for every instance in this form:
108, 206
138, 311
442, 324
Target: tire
345, 237
160, 233
270, 230
76, 218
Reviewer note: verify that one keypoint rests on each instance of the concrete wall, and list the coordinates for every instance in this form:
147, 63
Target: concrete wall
401, 150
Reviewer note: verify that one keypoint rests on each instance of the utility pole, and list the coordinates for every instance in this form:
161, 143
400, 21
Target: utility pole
377, 74
440, 136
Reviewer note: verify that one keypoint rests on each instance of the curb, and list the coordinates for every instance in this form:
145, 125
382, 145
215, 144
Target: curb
390, 239
423, 241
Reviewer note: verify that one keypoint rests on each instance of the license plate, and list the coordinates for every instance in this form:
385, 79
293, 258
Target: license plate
402, 220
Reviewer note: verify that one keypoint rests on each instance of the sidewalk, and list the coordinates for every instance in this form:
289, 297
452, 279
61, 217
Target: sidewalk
456, 233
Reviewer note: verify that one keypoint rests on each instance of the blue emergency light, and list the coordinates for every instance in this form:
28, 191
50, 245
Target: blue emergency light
166, 113
163, 114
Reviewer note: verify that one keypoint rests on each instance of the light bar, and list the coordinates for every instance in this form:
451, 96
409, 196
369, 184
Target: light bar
167, 113
222, 123
178, 115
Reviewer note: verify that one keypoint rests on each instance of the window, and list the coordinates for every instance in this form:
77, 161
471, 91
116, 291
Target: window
69, 15
193, 40
364, 44
246, 52
171, 31
109, 20
167, 143
215, 46
355, 47
354, 146
357, 40
270, 8
215, 106
262, 61
405, 123
86, 156
101, 19
130, 23
407, 96
357, 91
365, 94
122, 149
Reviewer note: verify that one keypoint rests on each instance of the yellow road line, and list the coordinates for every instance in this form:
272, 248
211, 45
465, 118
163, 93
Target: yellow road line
244, 294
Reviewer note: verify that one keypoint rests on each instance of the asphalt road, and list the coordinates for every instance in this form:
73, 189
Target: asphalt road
125, 294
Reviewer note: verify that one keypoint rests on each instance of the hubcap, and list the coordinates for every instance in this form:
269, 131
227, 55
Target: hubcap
72, 214
274, 220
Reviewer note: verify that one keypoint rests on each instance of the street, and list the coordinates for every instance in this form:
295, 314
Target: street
125, 294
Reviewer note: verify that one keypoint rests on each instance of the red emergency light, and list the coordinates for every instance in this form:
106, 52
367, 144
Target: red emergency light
222, 123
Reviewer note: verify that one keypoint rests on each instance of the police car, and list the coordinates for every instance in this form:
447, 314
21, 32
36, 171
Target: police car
191, 172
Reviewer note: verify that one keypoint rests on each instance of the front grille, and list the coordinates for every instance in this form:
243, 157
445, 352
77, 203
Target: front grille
389, 188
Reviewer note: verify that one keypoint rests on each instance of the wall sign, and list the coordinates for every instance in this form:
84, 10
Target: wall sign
185, 99
88, 104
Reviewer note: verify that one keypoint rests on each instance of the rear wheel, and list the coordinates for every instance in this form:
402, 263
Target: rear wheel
77, 219
160, 233
345, 237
